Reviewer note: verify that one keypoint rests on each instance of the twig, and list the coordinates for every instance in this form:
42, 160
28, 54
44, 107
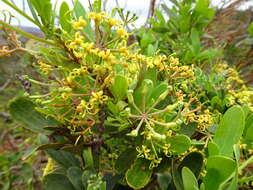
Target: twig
5, 85
150, 11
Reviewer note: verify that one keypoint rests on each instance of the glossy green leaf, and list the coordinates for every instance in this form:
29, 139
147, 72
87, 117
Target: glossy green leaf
65, 17
57, 182
230, 130
74, 175
178, 143
189, 180
139, 174
219, 168
23, 110
119, 87
213, 149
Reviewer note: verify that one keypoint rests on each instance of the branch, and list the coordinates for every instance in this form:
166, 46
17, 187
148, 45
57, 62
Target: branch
26, 34
151, 10
5, 85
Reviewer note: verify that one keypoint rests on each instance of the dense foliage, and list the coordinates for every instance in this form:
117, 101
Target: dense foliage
163, 112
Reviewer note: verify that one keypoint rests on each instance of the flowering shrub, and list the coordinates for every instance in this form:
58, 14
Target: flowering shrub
109, 116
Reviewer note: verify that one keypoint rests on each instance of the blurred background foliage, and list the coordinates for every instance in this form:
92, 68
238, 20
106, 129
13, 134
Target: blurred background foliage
197, 33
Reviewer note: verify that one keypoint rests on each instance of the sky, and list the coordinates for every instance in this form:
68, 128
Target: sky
140, 7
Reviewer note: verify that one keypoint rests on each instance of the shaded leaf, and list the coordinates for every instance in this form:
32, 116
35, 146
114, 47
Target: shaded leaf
193, 161
57, 182
75, 176
125, 160
23, 110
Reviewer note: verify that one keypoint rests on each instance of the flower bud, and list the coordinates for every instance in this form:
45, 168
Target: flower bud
130, 96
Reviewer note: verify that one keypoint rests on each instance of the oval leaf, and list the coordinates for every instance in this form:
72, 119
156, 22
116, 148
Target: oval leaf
230, 130
189, 180
139, 174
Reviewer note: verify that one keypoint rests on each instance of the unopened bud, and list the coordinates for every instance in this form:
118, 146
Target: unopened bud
130, 96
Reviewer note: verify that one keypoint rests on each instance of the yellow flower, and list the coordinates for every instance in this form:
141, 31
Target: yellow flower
45, 68
49, 167
113, 22
106, 55
98, 97
143, 152
121, 32
78, 25
97, 17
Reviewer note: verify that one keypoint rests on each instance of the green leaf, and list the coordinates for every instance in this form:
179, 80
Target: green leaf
44, 10
125, 160
112, 180
234, 182
160, 29
189, 180
156, 91
163, 180
202, 186
250, 28
193, 161
66, 159
65, 17
202, 8
146, 39
177, 179
23, 111
75, 176
33, 11
219, 168
88, 158
146, 86
213, 149
230, 130
119, 87
195, 40
178, 143
139, 174
248, 131
57, 182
